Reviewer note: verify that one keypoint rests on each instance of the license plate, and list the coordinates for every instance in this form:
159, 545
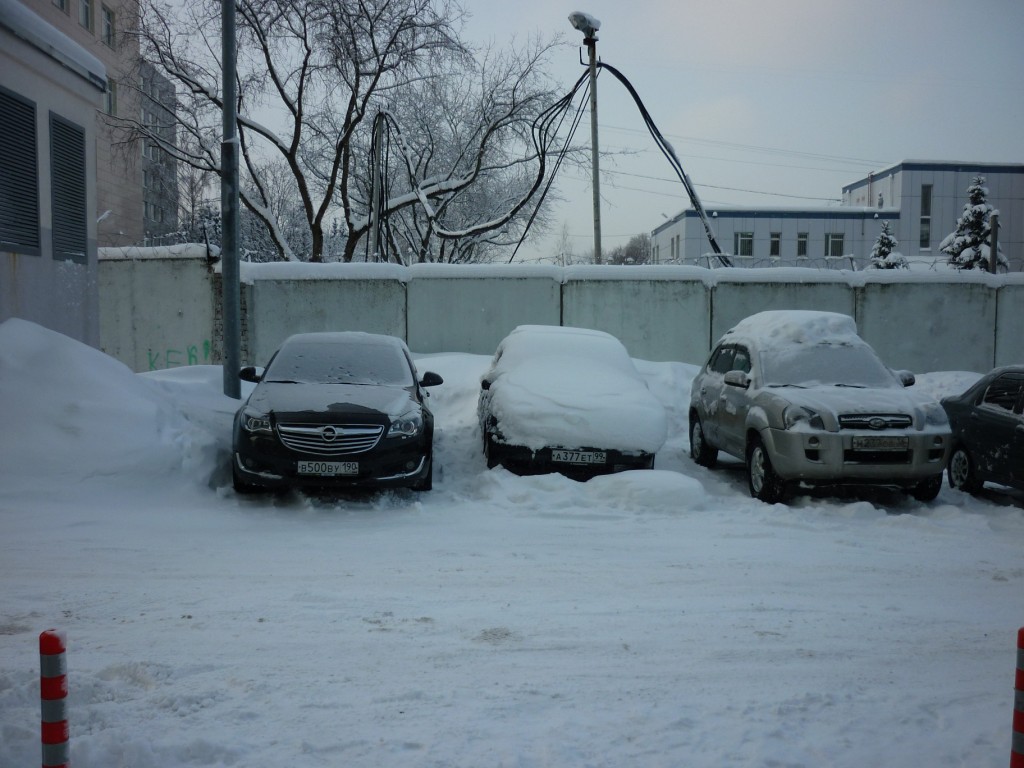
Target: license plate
328, 468
879, 443
579, 457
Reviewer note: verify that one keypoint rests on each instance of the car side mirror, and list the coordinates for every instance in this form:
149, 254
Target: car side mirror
251, 373
737, 379
431, 379
906, 378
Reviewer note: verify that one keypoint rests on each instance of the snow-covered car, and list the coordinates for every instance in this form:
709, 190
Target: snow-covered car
802, 399
568, 400
335, 410
988, 431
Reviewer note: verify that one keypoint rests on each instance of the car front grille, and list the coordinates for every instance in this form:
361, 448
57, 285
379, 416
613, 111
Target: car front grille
330, 439
874, 421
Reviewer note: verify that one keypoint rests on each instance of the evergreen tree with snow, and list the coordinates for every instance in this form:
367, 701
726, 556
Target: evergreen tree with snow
968, 247
884, 254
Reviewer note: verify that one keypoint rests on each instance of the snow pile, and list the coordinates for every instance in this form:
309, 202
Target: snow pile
644, 619
786, 327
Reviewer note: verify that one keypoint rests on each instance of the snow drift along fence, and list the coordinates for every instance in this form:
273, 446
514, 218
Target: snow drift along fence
53, 692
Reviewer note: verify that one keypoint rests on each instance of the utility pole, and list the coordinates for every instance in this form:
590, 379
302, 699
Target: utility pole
375, 161
588, 25
229, 151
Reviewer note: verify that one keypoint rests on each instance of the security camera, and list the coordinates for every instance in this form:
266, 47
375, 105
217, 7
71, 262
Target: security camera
585, 23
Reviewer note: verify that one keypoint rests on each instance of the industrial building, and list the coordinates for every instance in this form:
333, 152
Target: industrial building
921, 200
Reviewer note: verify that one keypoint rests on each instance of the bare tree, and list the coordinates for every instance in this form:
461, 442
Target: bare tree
312, 75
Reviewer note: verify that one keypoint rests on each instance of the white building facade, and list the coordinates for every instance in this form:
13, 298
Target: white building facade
921, 201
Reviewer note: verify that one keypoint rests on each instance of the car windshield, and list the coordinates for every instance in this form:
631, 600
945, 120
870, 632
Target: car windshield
333, 363
849, 365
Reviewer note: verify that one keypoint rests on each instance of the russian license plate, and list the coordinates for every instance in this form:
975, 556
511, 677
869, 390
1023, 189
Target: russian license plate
328, 468
880, 443
579, 457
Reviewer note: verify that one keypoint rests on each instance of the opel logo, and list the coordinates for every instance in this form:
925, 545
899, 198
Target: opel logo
330, 434
877, 423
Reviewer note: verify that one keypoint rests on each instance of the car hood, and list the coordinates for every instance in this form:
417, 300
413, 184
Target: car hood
833, 401
333, 399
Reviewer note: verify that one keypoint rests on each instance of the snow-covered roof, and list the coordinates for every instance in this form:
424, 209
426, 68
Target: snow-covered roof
787, 327
31, 28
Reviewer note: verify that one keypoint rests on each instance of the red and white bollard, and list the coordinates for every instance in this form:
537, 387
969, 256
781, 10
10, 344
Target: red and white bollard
53, 692
1017, 748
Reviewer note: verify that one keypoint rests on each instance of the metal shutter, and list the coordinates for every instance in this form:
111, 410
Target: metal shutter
67, 162
19, 175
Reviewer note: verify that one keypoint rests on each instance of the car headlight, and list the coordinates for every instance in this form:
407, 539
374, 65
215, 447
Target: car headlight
795, 415
935, 415
256, 422
409, 424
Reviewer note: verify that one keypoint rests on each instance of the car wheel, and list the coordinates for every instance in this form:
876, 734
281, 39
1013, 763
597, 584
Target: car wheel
764, 484
927, 490
700, 451
492, 460
961, 471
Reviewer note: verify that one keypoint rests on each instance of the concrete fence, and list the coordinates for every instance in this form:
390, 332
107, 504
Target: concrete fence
160, 311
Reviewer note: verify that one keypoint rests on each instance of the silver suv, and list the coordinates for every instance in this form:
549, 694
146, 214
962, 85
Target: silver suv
804, 400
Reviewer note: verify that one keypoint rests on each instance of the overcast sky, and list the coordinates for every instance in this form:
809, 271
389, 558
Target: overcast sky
775, 102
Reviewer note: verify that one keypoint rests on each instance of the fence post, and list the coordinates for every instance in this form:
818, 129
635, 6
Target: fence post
1017, 747
53, 691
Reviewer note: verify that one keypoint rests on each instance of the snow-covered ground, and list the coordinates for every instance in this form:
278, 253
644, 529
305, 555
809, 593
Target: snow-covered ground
655, 618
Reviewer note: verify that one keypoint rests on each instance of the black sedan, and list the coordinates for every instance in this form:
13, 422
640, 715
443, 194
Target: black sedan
988, 431
335, 410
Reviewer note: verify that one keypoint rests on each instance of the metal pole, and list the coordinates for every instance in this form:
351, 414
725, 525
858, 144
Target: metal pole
592, 50
229, 207
375, 160
993, 256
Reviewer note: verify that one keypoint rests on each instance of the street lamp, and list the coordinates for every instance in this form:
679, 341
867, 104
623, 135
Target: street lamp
588, 25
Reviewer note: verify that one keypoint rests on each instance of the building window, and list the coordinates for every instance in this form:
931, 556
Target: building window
926, 217
109, 30
775, 244
150, 150
62, 4
743, 243
834, 244
85, 13
801, 244
67, 178
110, 98
19, 179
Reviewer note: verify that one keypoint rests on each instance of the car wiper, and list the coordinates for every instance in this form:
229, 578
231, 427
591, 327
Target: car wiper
780, 386
851, 386
284, 381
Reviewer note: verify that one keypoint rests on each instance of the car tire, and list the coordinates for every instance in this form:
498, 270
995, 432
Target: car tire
489, 453
764, 484
961, 472
700, 451
927, 490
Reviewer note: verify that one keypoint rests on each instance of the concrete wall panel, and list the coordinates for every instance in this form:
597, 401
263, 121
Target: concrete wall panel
656, 320
930, 326
281, 307
472, 314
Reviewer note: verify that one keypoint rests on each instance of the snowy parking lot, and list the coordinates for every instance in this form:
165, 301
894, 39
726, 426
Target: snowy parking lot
651, 618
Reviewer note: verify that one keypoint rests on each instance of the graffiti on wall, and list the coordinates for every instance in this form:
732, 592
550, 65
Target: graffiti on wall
191, 354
